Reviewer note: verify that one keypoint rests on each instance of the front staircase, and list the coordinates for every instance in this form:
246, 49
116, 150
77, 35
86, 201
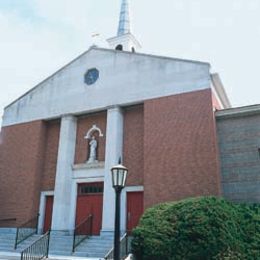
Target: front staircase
92, 247
95, 246
7, 241
61, 244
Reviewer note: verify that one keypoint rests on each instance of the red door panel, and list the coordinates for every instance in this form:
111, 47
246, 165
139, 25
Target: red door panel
48, 213
90, 204
135, 209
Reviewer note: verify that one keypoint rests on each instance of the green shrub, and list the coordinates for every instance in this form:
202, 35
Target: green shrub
228, 255
198, 228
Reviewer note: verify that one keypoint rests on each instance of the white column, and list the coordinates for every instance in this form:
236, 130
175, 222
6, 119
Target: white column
114, 150
63, 181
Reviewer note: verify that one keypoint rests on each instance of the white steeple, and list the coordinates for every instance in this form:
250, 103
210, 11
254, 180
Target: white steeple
124, 40
124, 21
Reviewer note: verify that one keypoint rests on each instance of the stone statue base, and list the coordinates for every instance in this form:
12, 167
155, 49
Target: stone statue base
92, 161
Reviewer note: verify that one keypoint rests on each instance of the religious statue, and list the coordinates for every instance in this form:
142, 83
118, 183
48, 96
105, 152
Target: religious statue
93, 150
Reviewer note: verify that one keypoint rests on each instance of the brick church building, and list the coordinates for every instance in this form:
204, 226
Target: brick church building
168, 119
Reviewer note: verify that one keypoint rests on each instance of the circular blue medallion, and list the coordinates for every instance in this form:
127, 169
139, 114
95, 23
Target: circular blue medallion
91, 76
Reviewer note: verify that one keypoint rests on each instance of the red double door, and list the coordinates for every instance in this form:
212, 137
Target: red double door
90, 202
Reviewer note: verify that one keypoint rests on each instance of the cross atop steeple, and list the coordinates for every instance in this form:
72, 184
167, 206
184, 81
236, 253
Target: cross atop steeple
125, 40
124, 26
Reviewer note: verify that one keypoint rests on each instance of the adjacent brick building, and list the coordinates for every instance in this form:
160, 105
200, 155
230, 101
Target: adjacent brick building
239, 144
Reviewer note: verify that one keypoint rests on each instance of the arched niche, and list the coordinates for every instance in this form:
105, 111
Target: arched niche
93, 129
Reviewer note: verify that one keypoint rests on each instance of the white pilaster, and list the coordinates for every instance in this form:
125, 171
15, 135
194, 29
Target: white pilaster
114, 150
63, 181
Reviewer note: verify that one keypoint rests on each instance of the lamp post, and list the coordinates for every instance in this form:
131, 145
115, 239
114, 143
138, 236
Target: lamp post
119, 174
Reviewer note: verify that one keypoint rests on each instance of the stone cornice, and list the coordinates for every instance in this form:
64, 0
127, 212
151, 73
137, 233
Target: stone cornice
238, 112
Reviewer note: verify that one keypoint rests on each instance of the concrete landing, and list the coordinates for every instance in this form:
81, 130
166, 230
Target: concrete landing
16, 256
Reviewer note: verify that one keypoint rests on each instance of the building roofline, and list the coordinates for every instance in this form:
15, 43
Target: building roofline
153, 56
238, 111
93, 47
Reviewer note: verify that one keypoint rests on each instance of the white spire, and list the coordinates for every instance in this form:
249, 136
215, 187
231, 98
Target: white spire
125, 40
124, 26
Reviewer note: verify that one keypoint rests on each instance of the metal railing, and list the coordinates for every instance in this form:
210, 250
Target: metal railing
125, 248
38, 250
7, 220
26, 230
82, 231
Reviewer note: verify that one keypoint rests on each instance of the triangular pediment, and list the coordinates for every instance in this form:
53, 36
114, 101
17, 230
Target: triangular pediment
123, 78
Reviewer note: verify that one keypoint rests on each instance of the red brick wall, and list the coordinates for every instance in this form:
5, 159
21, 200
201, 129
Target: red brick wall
21, 164
50, 155
133, 152
82, 146
180, 148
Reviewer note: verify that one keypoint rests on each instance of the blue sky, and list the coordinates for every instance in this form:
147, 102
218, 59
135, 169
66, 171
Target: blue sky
37, 37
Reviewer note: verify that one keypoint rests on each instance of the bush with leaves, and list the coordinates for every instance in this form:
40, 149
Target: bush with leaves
198, 228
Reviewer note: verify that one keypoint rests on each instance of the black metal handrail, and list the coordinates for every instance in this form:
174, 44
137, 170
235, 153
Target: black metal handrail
4, 220
7, 222
7, 219
125, 248
38, 250
26, 230
82, 231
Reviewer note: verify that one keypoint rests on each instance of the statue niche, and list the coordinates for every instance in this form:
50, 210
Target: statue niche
93, 135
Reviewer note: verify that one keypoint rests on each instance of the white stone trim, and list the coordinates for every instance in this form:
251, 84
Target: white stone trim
91, 130
219, 91
88, 166
88, 170
134, 188
124, 202
42, 208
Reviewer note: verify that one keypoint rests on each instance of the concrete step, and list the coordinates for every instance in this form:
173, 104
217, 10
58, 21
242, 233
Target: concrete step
60, 252
94, 247
3, 235
6, 242
26, 243
61, 245
7, 231
10, 257
6, 248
